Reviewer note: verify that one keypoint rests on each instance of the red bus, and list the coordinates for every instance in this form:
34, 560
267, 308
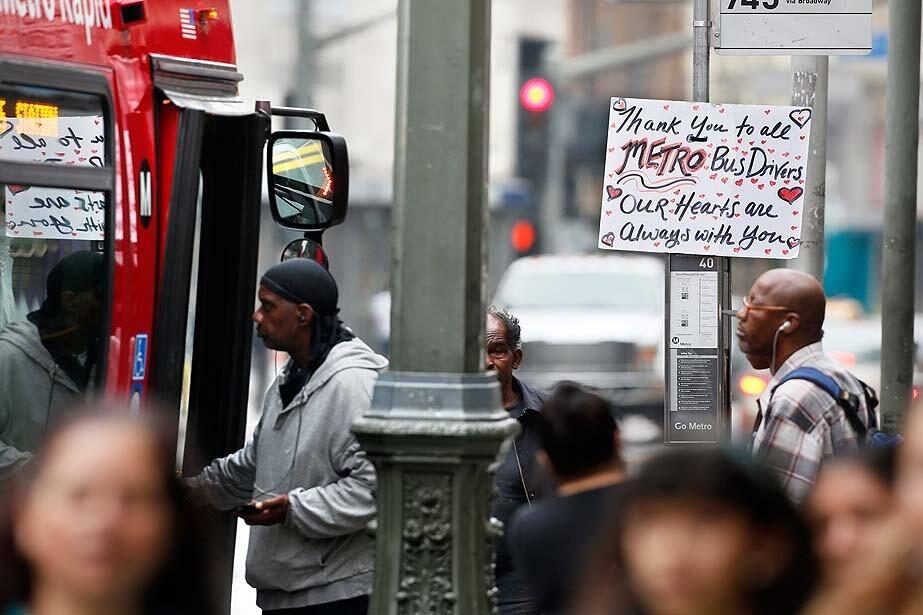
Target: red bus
130, 190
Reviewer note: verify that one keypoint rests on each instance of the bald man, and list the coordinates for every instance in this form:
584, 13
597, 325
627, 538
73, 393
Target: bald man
798, 424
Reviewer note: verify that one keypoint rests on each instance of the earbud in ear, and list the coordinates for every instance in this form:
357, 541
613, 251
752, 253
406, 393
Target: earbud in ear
784, 326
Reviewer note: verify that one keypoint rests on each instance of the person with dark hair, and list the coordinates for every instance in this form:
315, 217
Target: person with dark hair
580, 450
48, 361
813, 408
99, 523
517, 482
851, 500
301, 480
699, 532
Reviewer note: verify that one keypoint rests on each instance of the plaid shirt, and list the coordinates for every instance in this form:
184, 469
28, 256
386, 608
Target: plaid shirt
800, 424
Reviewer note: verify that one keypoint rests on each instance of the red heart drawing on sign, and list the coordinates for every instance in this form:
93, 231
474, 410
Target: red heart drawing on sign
619, 104
720, 194
613, 192
761, 186
797, 157
794, 228
767, 111
666, 107
772, 183
787, 182
754, 180
677, 192
767, 251
739, 182
692, 217
795, 212
720, 109
695, 107
736, 215
802, 137
76, 151
785, 154
713, 176
771, 150
737, 250
763, 141
611, 149
724, 180
706, 248
16, 188
724, 140
608, 239
784, 251
656, 244
790, 195
608, 212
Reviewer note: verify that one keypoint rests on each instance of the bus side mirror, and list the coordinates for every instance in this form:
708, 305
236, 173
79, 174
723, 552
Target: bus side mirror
308, 174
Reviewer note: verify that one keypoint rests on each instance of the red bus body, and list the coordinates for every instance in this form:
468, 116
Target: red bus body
122, 55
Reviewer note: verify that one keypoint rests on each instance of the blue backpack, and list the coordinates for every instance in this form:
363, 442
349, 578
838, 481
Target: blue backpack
849, 402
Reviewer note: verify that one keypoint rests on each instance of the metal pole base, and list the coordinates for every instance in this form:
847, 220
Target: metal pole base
433, 438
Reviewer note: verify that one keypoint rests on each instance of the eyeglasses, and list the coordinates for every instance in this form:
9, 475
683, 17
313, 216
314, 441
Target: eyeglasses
749, 307
764, 308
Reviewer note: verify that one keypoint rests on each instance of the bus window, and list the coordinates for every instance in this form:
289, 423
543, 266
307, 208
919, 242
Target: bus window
53, 296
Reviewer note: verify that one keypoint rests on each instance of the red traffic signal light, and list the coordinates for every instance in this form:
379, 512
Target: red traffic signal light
536, 95
523, 236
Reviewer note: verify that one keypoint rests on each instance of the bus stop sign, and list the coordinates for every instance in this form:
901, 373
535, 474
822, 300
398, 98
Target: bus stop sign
792, 27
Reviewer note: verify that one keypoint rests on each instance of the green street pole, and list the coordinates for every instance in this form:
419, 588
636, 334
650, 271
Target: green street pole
898, 249
436, 422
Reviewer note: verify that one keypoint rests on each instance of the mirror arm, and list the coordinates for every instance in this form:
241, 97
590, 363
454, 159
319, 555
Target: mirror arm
319, 119
315, 236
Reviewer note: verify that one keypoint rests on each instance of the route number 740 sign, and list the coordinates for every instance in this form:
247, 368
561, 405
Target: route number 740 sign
792, 27
754, 4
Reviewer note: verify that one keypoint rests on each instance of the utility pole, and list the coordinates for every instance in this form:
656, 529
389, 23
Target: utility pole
303, 83
902, 129
809, 89
436, 421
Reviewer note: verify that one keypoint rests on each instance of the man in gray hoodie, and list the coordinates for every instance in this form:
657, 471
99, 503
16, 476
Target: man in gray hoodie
48, 360
301, 481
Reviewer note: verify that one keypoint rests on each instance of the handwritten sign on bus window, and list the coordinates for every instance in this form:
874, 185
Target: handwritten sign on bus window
699, 178
53, 213
47, 138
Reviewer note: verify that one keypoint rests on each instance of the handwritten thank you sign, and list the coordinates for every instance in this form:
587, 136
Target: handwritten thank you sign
699, 178
53, 213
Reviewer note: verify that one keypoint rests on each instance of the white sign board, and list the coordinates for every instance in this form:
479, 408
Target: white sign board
53, 213
700, 178
793, 27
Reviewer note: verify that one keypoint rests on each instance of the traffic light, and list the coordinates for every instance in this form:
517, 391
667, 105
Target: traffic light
536, 98
533, 134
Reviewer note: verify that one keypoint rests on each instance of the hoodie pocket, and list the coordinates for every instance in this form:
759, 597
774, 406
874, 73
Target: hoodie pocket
331, 548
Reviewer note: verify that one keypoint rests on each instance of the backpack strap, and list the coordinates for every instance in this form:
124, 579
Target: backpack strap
846, 400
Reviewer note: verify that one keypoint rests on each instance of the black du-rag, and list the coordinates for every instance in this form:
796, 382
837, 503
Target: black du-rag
301, 280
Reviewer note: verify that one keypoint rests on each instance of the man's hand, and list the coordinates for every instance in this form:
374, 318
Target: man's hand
266, 512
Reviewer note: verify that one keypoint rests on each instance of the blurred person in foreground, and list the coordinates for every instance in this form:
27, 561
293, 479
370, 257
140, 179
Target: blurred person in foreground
891, 578
518, 480
698, 533
48, 360
798, 424
301, 480
98, 525
581, 451
849, 505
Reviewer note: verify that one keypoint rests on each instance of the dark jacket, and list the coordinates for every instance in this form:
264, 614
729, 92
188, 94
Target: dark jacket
509, 494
